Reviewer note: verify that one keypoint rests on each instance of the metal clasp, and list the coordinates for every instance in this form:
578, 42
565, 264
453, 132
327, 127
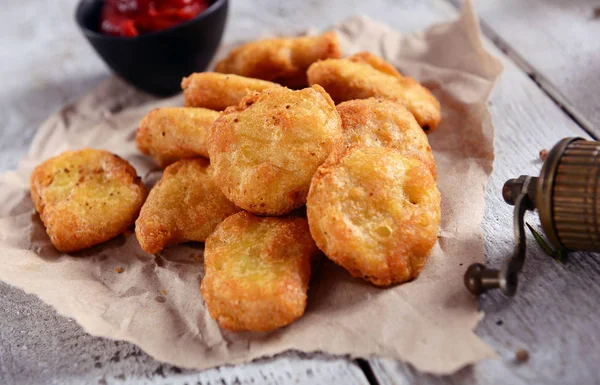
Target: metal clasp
521, 193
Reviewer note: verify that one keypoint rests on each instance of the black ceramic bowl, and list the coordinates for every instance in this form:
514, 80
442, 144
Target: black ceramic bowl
156, 62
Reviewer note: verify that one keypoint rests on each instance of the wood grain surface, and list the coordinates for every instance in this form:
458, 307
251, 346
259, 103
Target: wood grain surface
557, 43
47, 63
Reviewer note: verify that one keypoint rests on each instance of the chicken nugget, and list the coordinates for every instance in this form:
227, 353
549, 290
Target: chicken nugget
257, 271
173, 133
185, 205
282, 60
218, 91
86, 197
266, 150
385, 123
364, 75
375, 212
376, 62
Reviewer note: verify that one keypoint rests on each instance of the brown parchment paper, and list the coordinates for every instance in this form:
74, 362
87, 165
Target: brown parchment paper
156, 303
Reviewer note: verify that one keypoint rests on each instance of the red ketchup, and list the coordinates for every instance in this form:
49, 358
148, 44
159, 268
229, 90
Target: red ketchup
134, 17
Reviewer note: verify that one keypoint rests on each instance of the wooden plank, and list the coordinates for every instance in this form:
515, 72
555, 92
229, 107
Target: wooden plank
40, 347
45, 64
557, 43
255, 18
554, 313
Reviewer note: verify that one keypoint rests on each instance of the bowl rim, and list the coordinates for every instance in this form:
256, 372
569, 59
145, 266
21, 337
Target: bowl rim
218, 4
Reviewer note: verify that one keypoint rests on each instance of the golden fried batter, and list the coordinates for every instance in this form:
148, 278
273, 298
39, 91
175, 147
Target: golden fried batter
266, 150
283, 60
218, 91
257, 271
170, 134
375, 212
185, 205
86, 197
364, 75
376, 62
385, 123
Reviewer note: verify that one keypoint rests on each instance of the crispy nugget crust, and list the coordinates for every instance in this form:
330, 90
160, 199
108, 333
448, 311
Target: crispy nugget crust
375, 212
170, 134
365, 76
217, 91
257, 271
86, 197
185, 205
266, 150
385, 123
376, 62
282, 60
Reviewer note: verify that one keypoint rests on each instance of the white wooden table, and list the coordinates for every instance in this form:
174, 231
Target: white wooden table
551, 53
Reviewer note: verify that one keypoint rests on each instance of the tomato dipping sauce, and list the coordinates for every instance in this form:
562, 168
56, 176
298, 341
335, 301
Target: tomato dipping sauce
130, 18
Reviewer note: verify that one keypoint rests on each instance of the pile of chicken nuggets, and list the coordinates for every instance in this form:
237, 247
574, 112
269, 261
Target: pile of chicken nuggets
282, 124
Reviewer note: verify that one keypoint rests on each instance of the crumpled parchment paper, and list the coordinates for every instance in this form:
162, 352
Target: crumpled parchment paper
156, 303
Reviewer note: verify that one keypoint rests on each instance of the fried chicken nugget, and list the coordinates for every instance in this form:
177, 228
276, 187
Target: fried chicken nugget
266, 150
376, 62
375, 212
86, 197
257, 271
385, 123
173, 133
218, 91
282, 60
185, 205
364, 75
